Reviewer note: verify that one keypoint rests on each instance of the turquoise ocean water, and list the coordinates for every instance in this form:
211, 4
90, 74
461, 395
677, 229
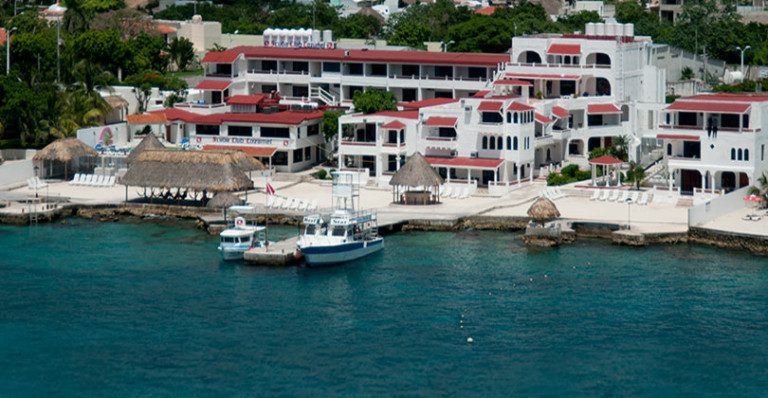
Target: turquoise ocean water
121, 309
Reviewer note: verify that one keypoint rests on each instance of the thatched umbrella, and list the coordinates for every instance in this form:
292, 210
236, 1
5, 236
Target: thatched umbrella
416, 172
543, 210
65, 150
210, 171
149, 142
223, 200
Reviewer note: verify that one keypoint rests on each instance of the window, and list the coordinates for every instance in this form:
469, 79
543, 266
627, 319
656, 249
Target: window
492, 117
268, 88
509, 143
333, 67
275, 132
729, 121
669, 117
298, 155
240, 131
762, 152
268, 66
686, 118
476, 73
338, 231
409, 94
355, 69
509, 117
391, 163
499, 143
443, 71
280, 158
446, 132
733, 153
493, 143
300, 91
514, 143
299, 66
515, 119
207, 129
745, 121
485, 142
746, 154
410, 70
308, 153
313, 129
378, 69
740, 154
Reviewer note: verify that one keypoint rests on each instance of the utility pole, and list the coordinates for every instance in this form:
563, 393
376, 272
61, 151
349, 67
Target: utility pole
58, 50
8, 50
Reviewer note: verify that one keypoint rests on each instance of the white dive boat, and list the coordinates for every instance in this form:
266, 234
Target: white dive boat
345, 234
241, 236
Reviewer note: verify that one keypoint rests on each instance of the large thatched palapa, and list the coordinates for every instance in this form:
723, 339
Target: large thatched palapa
211, 171
543, 210
150, 142
416, 174
223, 200
70, 152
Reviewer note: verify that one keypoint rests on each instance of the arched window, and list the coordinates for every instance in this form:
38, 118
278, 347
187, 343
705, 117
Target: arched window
509, 143
733, 154
500, 143
493, 143
739, 154
746, 154
515, 117
509, 117
669, 150
485, 142
668, 118
514, 144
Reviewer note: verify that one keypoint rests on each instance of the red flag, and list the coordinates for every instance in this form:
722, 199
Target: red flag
270, 189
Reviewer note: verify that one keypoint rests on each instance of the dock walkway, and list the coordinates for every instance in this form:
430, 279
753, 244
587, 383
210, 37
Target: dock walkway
279, 253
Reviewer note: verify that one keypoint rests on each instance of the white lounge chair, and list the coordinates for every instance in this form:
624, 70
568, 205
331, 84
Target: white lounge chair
624, 197
270, 200
295, 204
446, 191
286, 204
313, 206
302, 206
643, 199
633, 196
604, 196
103, 182
595, 194
614, 196
97, 181
464, 193
278, 202
112, 180
75, 180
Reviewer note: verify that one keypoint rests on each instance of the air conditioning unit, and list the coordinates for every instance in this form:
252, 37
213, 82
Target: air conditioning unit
473, 155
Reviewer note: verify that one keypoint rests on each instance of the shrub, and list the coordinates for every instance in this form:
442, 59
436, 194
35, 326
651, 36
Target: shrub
570, 170
321, 174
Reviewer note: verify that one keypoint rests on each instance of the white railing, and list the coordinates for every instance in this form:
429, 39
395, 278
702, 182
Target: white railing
499, 188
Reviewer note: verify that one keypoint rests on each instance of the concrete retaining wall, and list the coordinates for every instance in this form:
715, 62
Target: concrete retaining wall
717, 207
13, 173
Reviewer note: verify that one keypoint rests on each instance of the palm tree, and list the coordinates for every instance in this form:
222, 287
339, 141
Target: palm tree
761, 189
621, 147
636, 173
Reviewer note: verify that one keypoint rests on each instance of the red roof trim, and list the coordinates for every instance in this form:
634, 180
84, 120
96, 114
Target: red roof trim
519, 106
560, 112
440, 121
605, 160
254, 99
398, 114
481, 94
490, 106
512, 82
216, 85
290, 118
536, 76
564, 49
542, 119
261, 151
475, 163
602, 109
677, 137
425, 103
701, 106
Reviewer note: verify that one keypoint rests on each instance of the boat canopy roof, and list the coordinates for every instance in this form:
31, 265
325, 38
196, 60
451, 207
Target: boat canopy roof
241, 231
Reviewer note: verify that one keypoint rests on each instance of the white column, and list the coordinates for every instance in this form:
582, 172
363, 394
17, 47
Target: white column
594, 175
712, 180
530, 170
703, 179
518, 172
671, 178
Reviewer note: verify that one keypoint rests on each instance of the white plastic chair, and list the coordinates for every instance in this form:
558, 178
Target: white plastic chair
643, 199
595, 194
278, 202
111, 182
465, 193
624, 197
456, 192
446, 191
287, 203
295, 204
313, 206
302, 206
75, 180
270, 200
604, 196
634, 196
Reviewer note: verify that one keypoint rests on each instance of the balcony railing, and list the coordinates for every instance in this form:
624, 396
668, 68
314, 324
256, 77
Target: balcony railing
360, 143
443, 139
543, 65
393, 144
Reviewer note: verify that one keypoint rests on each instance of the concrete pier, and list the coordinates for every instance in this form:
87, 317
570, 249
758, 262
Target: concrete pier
279, 253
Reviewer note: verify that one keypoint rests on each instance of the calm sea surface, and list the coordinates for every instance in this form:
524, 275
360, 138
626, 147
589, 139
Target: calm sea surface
126, 309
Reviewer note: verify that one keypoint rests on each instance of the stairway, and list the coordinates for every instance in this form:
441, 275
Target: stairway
326, 97
685, 201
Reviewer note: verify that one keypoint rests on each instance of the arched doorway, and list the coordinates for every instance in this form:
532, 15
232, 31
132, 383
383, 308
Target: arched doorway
598, 59
529, 57
728, 181
602, 86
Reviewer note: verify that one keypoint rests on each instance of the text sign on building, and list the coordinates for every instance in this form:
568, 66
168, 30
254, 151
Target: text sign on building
239, 140
298, 38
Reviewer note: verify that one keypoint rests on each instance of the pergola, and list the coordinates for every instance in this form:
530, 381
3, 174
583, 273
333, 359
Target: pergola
606, 162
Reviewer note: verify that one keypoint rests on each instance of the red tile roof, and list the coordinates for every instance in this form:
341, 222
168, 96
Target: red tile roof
147, 118
398, 114
425, 103
217, 85
290, 118
545, 76
177, 114
677, 137
481, 93
165, 29
560, 112
384, 56
440, 121
255, 99
490, 106
605, 160
512, 82
260, 151
602, 109
394, 125
736, 97
488, 10
519, 106
702, 106
3, 36
542, 119
473, 163
564, 49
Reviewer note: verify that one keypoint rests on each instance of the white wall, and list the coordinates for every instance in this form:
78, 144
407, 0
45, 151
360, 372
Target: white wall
91, 135
16, 172
717, 207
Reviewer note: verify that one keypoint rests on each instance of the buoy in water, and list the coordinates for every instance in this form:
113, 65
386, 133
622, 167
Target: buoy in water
470, 340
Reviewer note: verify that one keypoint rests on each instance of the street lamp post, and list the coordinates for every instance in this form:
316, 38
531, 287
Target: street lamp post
629, 206
743, 50
445, 45
8, 51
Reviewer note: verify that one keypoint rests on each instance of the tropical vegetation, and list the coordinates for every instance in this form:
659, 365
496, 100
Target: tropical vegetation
760, 189
567, 175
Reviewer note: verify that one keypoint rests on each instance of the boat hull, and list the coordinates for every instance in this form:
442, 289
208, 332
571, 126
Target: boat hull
319, 256
229, 253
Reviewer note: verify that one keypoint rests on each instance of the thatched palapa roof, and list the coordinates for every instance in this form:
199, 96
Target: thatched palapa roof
213, 171
65, 150
416, 172
223, 200
543, 210
150, 142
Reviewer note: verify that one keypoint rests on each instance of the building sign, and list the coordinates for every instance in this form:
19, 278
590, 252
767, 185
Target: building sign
298, 38
198, 139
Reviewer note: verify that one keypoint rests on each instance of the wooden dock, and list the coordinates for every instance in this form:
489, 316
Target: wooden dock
279, 253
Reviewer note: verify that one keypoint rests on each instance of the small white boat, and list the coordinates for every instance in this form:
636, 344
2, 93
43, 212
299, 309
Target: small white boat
345, 234
239, 238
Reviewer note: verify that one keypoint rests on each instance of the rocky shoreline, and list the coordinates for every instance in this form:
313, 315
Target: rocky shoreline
204, 220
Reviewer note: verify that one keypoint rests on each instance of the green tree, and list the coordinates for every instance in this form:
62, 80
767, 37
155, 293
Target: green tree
686, 73
77, 18
620, 147
102, 48
578, 20
374, 100
147, 52
760, 189
357, 26
181, 52
635, 174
